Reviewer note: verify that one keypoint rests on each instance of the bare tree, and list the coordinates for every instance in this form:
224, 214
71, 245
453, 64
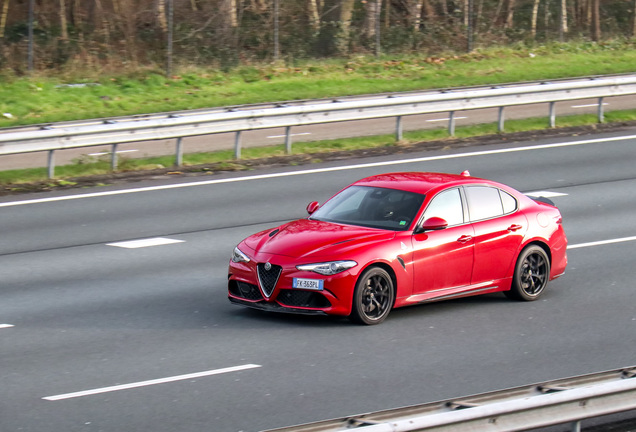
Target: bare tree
77, 14
371, 15
444, 6
535, 12
510, 14
3, 18
231, 12
595, 22
314, 14
415, 14
63, 24
100, 15
634, 19
161, 15
498, 9
125, 15
336, 26
429, 10
563, 21
466, 17
346, 13
479, 15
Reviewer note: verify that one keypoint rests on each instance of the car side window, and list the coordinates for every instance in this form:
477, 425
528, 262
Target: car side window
509, 202
448, 206
483, 202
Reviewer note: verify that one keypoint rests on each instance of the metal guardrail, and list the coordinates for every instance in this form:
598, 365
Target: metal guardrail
563, 401
177, 127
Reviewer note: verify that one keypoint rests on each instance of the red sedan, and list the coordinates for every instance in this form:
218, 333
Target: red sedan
400, 239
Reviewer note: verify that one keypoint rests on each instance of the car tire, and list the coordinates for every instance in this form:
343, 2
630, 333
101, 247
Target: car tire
531, 276
373, 297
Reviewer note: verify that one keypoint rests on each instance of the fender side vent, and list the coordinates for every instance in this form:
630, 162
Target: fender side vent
402, 263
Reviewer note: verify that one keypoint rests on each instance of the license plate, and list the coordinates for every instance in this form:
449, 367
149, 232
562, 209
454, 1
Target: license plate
310, 284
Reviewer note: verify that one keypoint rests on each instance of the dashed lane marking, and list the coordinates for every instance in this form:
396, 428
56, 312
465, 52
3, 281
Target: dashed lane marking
587, 105
150, 382
4, 326
546, 194
291, 135
445, 119
602, 242
107, 153
135, 244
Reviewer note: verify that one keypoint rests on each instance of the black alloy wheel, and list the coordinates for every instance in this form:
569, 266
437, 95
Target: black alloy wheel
532, 273
373, 297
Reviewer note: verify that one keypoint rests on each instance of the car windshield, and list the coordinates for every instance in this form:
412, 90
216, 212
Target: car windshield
371, 207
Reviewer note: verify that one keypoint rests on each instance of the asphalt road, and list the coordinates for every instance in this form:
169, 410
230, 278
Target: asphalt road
99, 337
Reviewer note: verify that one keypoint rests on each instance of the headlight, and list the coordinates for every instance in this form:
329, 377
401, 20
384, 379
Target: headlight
238, 256
328, 268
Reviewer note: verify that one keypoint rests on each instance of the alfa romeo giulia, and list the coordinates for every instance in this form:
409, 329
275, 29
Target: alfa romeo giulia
400, 239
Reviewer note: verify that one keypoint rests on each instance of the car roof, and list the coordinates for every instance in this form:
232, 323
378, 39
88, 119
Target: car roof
419, 182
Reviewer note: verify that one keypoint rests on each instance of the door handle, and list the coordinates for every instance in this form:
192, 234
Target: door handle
465, 239
514, 227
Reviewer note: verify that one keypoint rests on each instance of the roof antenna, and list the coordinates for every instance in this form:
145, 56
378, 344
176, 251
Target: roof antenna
465, 173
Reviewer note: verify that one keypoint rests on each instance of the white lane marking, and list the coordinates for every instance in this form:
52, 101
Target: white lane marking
313, 171
107, 153
445, 119
587, 106
602, 242
134, 244
546, 194
150, 382
294, 134
4, 326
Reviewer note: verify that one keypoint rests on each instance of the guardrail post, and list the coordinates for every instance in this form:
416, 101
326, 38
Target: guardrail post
113, 157
237, 145
575, 426
178, 161
601, 115
451, 123
500, 121
288, 141
398, 129
51, 164
552, 114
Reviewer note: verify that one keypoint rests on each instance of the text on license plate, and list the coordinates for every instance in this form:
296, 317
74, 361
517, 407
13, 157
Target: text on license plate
312, 284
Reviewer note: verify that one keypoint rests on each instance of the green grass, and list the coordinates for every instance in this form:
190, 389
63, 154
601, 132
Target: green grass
225, 159
43, 99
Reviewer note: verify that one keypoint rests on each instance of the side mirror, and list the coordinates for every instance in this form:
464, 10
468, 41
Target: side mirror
432, 224
312, 207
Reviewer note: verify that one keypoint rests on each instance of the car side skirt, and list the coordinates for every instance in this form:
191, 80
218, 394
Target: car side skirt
450, 293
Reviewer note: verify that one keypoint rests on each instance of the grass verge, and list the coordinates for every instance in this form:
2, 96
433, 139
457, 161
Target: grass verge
88, 94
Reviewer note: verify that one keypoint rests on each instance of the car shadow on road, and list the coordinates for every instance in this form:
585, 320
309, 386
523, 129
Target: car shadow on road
280, 319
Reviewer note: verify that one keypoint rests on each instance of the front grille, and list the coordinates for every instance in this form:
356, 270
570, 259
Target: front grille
308, 299
245, 290
268, 278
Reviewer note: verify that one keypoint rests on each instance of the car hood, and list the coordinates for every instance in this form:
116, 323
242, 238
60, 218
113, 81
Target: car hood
310, 238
